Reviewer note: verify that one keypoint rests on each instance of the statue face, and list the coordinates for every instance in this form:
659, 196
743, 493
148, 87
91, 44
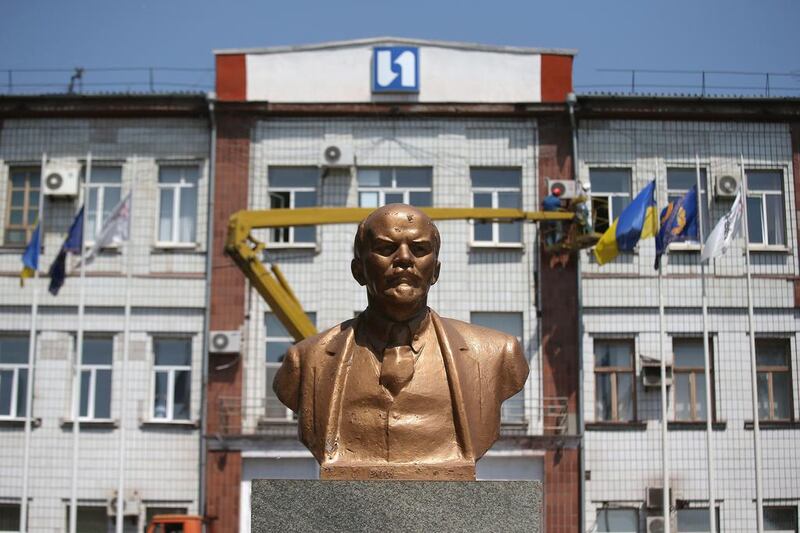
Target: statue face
398, 261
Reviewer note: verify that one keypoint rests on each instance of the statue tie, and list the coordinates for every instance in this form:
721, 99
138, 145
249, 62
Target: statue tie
397, 367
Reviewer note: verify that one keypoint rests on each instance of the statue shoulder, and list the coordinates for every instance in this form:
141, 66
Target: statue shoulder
325, 340
480, 337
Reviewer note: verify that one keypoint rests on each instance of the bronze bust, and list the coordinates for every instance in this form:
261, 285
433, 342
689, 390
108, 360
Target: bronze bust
400, 392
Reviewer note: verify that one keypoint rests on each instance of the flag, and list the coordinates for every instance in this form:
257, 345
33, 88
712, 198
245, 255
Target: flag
678, 223
724, 232
72, 244
30, 258
637, 221
115, 230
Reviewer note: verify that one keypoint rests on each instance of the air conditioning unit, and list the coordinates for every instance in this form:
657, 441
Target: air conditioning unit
337, 155
726, 185
569, 188
653, 498
655, 524
225, 342
61, 180
651, 372
131, 506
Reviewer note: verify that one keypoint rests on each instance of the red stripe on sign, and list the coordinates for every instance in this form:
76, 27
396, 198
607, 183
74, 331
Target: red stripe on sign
556, 77
231, 77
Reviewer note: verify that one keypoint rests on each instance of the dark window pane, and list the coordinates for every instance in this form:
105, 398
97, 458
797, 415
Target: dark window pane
613, 354
86, 380
763, 396
510, 323
393, 198
482, 199
274, 326
780, 518
22, 391
6, 390
166, 207
279, 200
782, 395
754, 220
368, 199
607, 180
174, 174
173, 352
413, 177
775, 223
510, 232
693, 520
182, 395
420, 199
685, 178
496, 177
683, 399
276, 351
700, 394
293, 177
689, 353
160, 404
188, 214
602, 396
772, 352
305, 234
107, 175
512, 200
625, 385
14, 350
305, 199
16, 216
618, 204
102, 394
600, 212
482, 231
617, 520
764, 180
9, 516
16, 237
97, 351
18, 199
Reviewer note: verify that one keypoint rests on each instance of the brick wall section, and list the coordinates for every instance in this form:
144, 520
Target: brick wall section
559, 308
227, 312
795, 129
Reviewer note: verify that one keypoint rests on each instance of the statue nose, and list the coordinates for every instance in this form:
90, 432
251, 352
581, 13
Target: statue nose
403, 256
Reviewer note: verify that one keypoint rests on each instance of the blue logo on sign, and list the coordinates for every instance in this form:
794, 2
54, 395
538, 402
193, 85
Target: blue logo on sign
395, 69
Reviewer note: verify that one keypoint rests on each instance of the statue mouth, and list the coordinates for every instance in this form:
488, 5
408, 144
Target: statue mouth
405, 278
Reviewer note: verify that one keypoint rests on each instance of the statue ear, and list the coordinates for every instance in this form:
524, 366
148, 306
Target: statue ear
357, 269
436, 273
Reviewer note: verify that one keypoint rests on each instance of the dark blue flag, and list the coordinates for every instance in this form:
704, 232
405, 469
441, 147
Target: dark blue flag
72, 244
678, 223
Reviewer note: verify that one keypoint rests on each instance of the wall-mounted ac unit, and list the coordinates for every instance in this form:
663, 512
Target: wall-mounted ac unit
655, 524
653, 498
651, 372
337, 155
726, 185
225, 342
131, 506
61, 180
569, 188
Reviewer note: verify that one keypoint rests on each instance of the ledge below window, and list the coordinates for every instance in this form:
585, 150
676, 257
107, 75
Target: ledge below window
185, 424
699, 425
773, 424
506, 246
616, 426
104, 423
19, 422
768, 249
176, 247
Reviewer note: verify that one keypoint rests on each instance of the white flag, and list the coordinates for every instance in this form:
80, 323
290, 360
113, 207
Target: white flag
115, 230
724, 232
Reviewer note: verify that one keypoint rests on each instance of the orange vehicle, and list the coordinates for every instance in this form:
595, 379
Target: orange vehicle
175, 523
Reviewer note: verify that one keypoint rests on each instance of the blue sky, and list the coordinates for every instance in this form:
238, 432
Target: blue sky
678, 34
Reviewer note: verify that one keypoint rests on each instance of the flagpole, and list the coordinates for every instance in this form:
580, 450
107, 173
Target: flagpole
664, 445
123, 381
26, 460
753, 375
76, 363
712, 517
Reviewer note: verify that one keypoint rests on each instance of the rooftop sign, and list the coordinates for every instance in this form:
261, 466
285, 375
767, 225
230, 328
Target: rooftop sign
395, 69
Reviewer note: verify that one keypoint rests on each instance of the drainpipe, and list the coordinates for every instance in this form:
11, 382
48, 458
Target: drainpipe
207, 317
572, 101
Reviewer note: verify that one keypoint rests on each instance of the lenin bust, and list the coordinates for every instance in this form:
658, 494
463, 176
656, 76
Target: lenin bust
400, 392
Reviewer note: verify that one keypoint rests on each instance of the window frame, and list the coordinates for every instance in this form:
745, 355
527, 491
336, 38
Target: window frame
393, 188
634, 510
495, 242
14, 407
171, 371
771, 370
791, 508
704, 513
705, 194
289, 414
26, 204
693, 372
762, 195
100, 188
92, 368
290, 242
175, 242
609, 195
614, 370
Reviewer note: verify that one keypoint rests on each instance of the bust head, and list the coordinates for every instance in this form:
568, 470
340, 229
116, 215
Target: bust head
396, 257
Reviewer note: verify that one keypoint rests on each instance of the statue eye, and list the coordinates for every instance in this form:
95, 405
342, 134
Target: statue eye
420, 249
384, 248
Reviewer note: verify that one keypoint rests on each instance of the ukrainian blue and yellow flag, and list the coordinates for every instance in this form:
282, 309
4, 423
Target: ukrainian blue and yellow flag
637, 221
30, 258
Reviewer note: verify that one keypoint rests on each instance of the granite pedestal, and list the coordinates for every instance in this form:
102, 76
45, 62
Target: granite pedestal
429, 506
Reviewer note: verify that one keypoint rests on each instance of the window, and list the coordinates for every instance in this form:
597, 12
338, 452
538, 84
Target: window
96, 363
513, 409
278, 341
23, 205
91, 519
690, 379
782, 519
105, 189
9, 516
611, 193
617, 521
13, 376
680, 180
172, 379
614, 383
774, 379
291, 187
496, 188
765, 213
404, 185
696, 520
177, 214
